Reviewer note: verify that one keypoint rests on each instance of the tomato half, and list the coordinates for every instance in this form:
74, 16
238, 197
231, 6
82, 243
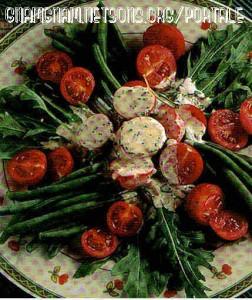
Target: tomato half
98, 243
229, 225
60, 163
190, 164
203, 201
173, 124
124, 219
187, 110
27, 167
135, 83
166, 35
225, 129
51, 66
77, 85
157, 64
246, 115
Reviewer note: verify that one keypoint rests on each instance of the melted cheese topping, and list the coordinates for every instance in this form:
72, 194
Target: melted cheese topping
142, 136
131, 102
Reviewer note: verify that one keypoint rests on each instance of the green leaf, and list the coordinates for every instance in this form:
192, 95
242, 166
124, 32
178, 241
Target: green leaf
185, 261
56, 269
10, 127
11, 146
89, 267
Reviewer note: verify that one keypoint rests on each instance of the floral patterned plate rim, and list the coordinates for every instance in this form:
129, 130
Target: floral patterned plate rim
53, 278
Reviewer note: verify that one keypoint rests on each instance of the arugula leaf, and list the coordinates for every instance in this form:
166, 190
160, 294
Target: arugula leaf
11, 146
16, 94
184, 261
10, 127
141, 280
89, 267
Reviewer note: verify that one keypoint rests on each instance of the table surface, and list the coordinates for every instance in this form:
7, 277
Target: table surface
8, 289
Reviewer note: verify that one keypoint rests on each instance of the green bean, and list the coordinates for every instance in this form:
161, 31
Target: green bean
47, 220
83, 171
61, 47
106, 89
54, 249
16, 208
33, 245
119, 38
53, 189
62, 233
227, 161
238, 159
239, 187
4, 235
62, 38
102, 38
106, 72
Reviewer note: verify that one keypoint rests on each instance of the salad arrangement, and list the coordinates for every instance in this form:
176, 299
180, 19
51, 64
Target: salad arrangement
130, 154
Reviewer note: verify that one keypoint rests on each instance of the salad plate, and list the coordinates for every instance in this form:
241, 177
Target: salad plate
41, 277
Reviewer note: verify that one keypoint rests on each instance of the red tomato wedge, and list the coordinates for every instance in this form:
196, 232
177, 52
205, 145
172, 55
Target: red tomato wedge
60, 163
27, 167
187, 111
181, 164
132, 173
173, 124
166, 35
246, 115
224, 128
124, 219
77, 85
98, 243
51, 66
229, 225
157, 64
203, 201
135, 83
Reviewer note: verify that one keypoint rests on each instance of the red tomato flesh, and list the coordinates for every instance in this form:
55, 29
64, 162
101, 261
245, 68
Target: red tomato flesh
225, 129
77, 85
51, 66
229, 225
246, 115
124, 219
135, 83
98, 243
173, 124
190, 164
192, 111
156, 63
27, 167
60, 163
166, 35
203, 201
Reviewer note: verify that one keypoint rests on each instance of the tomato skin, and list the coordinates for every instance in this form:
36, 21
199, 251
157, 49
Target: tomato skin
27, 167
246, 115
77, 85
132, 182
156, 63
98, 243
51, 66
166, 35
135, 83
124, 219
229, 225
190, 164
194, 111
172, 122
203, 201
224, 128
60, 163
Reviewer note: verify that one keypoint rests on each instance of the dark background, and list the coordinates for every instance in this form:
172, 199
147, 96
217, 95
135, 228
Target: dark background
7, 289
